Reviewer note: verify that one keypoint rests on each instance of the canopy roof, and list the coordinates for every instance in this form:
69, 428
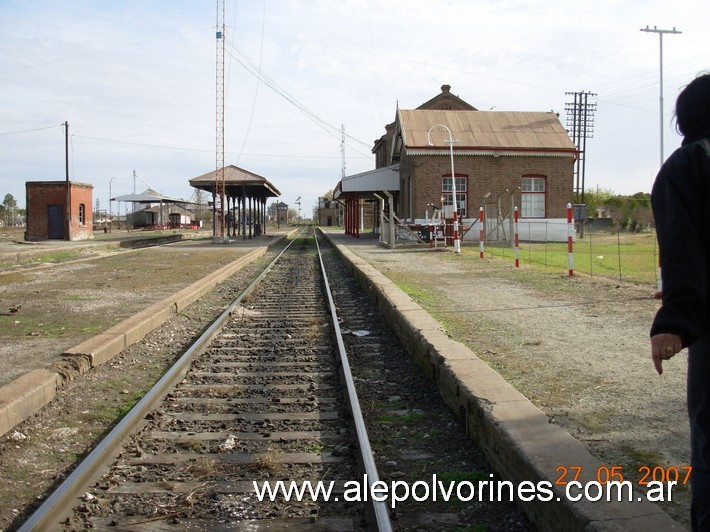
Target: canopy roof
373, 181
149, 196
237, 182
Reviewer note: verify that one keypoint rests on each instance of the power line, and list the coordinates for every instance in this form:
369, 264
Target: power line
30, 130
203, 150
259, 74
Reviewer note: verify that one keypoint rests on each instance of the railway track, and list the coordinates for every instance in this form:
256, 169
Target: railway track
264, 395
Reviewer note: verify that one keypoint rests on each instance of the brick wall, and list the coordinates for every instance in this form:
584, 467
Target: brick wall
486, 174
40, 195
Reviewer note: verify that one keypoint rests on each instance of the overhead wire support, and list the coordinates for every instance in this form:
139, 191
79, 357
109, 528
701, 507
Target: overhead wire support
580, 121
219, 201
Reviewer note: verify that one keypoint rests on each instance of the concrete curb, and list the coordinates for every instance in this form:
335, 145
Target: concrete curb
26, 395
518, 439
29, 393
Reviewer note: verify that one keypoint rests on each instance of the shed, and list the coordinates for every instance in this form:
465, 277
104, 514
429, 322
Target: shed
47, 216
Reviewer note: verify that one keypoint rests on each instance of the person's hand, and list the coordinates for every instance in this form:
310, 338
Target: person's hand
664, 347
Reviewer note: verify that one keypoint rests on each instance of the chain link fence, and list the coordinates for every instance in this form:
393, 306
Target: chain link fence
604, 251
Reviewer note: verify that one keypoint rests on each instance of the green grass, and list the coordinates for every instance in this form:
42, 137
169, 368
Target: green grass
405, 419
17, 326
626, 257
55, 257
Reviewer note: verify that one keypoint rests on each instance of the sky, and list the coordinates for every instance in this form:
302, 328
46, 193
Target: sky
135, 80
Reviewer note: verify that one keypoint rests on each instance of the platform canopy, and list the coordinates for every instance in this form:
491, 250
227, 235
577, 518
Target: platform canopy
149, 196
237, 182
369, 183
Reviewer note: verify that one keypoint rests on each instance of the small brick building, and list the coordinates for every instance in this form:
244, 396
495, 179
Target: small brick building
46, 211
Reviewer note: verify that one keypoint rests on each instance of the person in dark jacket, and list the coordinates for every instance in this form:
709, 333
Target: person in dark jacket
681, 207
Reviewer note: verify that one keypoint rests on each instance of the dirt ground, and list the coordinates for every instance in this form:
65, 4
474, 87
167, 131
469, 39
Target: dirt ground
577, 347
48, 308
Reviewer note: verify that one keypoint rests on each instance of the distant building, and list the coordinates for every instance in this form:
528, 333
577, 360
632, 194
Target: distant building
281, 213
329, 212
46, 211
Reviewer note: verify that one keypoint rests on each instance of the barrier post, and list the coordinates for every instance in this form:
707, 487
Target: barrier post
481, 233
516, 241
570, 234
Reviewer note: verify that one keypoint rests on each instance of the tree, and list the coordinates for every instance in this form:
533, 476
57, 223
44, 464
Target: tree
10, 206
630, 213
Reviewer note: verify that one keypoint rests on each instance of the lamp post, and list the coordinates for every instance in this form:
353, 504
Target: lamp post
110, 211
660, 42
450, 141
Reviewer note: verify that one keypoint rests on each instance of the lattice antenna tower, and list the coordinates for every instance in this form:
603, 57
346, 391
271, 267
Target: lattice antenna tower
219, 163
580, 124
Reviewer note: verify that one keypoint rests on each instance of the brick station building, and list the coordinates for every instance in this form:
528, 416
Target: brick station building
502, 160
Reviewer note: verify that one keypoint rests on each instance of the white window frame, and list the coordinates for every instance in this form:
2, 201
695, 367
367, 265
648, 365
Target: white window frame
461, 193
533, 196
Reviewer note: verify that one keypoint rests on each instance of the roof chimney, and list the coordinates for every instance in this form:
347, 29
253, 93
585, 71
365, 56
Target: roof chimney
445, 88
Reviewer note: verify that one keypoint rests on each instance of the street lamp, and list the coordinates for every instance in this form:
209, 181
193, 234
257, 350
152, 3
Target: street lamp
660, 42
450, 141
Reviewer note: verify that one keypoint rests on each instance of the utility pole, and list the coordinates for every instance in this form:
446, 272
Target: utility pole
342, 150
580, 120
66, 164
660, 42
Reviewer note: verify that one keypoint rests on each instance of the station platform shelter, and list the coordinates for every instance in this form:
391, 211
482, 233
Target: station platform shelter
378, 187
245, 194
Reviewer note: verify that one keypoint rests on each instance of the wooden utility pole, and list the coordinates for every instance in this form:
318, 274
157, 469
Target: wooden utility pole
66, 164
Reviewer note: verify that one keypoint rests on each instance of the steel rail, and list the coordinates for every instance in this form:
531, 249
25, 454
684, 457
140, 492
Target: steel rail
376, 515
52, 510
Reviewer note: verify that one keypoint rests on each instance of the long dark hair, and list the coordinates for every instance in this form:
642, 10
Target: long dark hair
692, 107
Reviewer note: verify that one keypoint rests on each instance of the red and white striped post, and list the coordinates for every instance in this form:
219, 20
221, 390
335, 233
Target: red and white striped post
570, 235
481, 232
516, 240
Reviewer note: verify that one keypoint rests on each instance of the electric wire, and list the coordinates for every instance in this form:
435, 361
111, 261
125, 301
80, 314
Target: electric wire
258, 82
30, 130
258, 73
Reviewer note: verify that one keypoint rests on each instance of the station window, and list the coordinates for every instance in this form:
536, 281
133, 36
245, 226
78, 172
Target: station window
461, 194
532, 191
82, 214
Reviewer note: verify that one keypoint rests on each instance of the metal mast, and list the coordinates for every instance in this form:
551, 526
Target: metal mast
219, 210
580, 120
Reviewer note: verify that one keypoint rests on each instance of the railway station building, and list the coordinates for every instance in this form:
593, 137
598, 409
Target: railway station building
501, 159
